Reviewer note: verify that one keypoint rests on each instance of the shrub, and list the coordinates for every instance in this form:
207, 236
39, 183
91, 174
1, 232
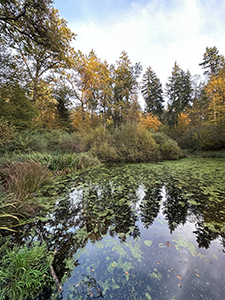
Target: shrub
169, 148
24, 272
72, 143
135, 144
7, 132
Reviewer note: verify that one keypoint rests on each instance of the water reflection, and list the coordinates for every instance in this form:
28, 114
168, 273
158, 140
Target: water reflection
131, 222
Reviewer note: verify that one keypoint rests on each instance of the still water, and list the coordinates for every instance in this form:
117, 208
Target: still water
140, 231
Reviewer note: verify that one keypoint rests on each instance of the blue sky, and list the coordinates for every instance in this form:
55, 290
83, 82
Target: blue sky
154, 32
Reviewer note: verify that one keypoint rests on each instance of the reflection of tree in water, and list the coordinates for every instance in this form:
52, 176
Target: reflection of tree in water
77, 221
175, 207
150, 205
204, 235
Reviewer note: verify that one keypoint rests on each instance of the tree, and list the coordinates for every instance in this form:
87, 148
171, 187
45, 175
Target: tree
16, 107
212, 61
215, 90
90, 81
33, 20
40, 62
179, 93
151, 89
124, 87
63, 94
150, 121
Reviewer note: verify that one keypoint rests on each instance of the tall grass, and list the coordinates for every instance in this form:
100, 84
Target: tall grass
7, 215
24, 272
23, 178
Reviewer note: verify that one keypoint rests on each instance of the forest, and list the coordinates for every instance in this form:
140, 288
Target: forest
47, 85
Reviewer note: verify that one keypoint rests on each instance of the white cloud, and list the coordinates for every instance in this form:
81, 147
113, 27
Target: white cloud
155, 38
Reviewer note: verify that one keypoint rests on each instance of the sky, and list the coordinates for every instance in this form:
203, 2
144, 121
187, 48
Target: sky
155, 33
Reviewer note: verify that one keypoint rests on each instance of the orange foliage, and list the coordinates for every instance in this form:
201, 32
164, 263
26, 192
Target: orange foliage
150, 121
183, 120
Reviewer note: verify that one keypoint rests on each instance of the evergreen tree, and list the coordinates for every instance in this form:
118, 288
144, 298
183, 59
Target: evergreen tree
124, 87
212, 61
179, 93
151, 89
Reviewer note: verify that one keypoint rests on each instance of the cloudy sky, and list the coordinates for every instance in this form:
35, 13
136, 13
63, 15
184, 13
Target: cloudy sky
154, 32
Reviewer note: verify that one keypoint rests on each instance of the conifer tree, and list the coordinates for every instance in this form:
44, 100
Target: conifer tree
151, 89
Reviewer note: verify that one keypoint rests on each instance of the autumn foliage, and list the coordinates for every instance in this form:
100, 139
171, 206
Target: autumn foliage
150, 121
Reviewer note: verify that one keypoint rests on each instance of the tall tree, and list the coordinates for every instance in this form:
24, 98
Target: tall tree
212, 61
179, 93
31, 19
125, 86
40, 62
151, 89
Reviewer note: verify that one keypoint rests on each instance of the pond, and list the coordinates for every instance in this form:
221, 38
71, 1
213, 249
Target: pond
138, 231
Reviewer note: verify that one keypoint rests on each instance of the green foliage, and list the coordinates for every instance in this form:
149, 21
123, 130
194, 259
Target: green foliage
152, 92
135, 144
179, 93
7, 132
7, 205
16, 107
212, 61
24, 271
169, 148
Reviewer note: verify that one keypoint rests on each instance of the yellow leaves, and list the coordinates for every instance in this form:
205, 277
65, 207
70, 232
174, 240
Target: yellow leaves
150, 121
183, 120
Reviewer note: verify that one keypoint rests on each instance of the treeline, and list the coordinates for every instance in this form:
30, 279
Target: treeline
46, 84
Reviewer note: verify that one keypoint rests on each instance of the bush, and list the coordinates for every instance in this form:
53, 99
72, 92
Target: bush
135, 144
72, 143
169, 148
7, 132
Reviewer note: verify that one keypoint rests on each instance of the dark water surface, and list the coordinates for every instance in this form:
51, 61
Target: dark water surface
140, 231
